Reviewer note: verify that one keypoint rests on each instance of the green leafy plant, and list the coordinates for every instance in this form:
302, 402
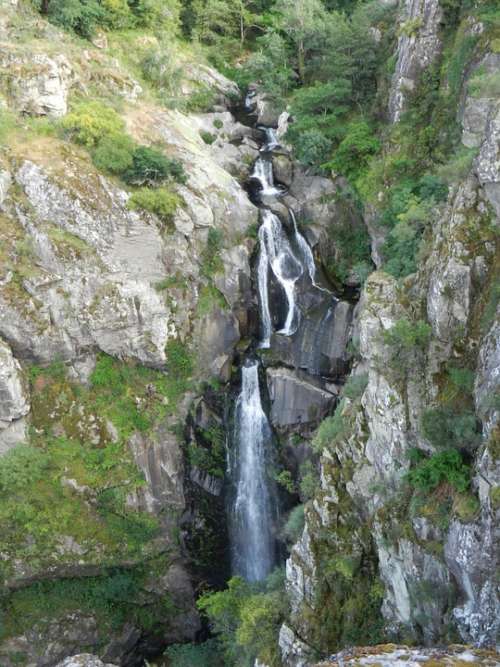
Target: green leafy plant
208, 137
114, 153
90, 122
446, 428
160, 201
151, 167
447, 466
294, 525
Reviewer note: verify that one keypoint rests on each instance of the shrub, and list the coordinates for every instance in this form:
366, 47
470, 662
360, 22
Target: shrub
485, 85
159, 66
294, 525
160, 201
114, 153
218, 123
82, 16
284, 479
208, 137
211, 262
447, 466
309, 480
90, 122
179, 361
355, 386
355, 150
444, 428
331, 429
150, 167
405, 339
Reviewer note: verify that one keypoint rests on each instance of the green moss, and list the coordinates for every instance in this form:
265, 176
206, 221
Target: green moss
210, 298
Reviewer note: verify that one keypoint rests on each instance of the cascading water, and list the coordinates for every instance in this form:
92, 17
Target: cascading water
251, 518
281, 262
263, 173
271, 140
276, 255
306, 253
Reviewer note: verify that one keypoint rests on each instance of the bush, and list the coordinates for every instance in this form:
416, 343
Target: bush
114, 154
179, 361
150, 167
355, 386
444, 428
159, 66
294, 525
90, 122
82, 16
211, 262
246, 618
309, 480
406, 339
331, 429
355, 150
160, 201
208, 137
446, 466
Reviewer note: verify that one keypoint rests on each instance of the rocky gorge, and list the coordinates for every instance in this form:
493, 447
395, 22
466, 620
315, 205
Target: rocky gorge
174, 387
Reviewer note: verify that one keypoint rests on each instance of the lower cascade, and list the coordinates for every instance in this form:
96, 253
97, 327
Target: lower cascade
251, 525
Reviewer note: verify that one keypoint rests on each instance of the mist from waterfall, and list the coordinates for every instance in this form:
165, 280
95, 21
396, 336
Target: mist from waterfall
251, 516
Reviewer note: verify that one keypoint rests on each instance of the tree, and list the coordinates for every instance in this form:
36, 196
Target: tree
302, 21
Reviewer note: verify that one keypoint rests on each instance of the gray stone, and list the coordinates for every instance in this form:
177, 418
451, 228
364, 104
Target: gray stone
295, 398
5, 183
83, 660
415, 51
40, 84
487, 164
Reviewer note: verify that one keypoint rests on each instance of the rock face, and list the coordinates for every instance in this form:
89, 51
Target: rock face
39, 85
431, 573
418, 46
83, 660
14, 400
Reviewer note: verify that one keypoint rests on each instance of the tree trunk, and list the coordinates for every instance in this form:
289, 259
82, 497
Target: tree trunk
45, 7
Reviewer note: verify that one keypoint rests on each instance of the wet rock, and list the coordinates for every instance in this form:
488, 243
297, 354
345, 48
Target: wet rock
320, 344
283, 169
295, 398
216, 338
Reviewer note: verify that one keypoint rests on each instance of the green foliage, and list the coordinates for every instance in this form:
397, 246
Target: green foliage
211, 262
151, 167
246, 619
331, 429
179, 360
114, 153
90, 122
309, 480
208, 137
355, 150
485, 84
160, 201
112, 597
160, 67
208, 451
447, 466
294, 525
82, 16
206, 654
355, 386
284, 479
406, 341
443, 427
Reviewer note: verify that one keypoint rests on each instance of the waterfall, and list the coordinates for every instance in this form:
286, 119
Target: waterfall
271, 140
263, 172
251, 518
306, 253
276, 255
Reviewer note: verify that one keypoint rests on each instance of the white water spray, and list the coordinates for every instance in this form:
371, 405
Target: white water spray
276, 255
251, 517
263, 172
